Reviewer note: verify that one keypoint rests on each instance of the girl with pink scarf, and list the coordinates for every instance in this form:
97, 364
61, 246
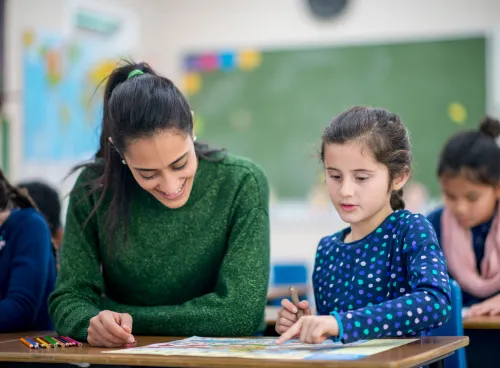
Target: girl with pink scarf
468, 226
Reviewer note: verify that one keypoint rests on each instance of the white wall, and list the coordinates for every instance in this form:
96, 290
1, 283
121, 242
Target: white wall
196, 24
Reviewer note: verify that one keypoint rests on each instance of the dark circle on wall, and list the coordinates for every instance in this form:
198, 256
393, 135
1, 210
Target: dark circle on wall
325, 9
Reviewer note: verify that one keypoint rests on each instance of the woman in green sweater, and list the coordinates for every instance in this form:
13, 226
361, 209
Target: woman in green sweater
163, 235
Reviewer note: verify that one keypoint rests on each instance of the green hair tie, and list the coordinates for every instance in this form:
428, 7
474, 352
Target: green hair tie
135, 72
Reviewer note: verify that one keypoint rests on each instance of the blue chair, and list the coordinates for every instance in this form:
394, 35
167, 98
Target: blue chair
454, 327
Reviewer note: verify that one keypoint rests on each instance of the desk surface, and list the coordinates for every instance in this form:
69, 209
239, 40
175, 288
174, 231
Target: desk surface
414, 354
481, 323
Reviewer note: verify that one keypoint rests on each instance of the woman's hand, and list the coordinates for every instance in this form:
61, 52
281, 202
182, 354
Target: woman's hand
110, 329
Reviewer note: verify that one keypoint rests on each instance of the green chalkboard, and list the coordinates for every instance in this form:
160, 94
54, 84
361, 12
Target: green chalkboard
275, 113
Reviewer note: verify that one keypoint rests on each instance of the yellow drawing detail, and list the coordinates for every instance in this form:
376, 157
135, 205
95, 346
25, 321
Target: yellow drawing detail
101, 71
249, 59
457, 113
28, 38
191, 83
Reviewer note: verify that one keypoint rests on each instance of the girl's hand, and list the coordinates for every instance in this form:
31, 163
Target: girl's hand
287, 316
311, 330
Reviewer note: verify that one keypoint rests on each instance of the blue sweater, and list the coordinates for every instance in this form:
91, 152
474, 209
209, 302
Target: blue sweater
479, 234
393, 282
27, 272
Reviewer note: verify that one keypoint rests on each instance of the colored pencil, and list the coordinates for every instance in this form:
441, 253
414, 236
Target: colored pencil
62, 343
68, 343
74, 341
31, 341
42, 343
28, 344
51, 341
50, 345
295, 300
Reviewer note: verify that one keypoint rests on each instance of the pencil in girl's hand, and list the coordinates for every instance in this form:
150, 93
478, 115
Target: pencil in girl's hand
295, 300
28, 344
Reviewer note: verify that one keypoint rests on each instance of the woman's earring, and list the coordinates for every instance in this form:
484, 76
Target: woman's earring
123, 162
194, 138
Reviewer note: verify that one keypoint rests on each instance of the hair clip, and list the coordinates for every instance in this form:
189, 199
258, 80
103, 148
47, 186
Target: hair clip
135, 72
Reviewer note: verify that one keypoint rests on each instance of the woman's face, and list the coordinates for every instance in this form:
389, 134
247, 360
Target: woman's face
164, 165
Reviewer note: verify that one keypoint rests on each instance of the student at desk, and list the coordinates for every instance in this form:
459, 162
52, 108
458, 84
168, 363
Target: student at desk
27, 262
385, 275
181, 230
468, 226
47, 200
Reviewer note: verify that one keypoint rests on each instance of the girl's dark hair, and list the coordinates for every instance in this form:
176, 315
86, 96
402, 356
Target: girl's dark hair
14, 197
11, 196
382, 132
47, 199
136, 105
474, 153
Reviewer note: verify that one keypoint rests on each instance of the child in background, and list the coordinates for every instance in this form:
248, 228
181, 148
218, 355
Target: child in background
27, 264
47, 200
468, 225
385, 275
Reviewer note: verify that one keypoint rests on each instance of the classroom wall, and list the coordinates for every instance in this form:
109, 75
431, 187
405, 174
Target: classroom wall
171, 27
194, 24
51, 16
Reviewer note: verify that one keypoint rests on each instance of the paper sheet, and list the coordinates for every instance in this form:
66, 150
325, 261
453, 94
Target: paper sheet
266, 348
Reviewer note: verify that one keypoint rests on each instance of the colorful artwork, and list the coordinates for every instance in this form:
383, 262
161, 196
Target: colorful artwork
62, 101
266, 348
197, 64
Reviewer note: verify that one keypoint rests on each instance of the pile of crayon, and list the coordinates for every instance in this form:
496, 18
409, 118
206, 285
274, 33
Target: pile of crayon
49, 342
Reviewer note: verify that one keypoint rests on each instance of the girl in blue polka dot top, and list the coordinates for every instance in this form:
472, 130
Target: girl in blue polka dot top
384, 275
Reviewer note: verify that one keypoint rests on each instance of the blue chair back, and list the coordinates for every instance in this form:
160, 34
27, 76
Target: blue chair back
288, 274
454, 327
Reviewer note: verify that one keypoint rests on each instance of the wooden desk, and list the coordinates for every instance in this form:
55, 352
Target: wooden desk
480, 323
418, 353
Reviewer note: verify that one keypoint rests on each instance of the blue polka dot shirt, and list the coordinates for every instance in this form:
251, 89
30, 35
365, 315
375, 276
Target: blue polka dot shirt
392, 283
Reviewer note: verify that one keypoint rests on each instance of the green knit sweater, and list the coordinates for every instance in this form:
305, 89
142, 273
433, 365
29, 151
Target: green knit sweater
202, 269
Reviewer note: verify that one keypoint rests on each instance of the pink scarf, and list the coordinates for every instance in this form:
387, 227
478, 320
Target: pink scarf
456, 243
